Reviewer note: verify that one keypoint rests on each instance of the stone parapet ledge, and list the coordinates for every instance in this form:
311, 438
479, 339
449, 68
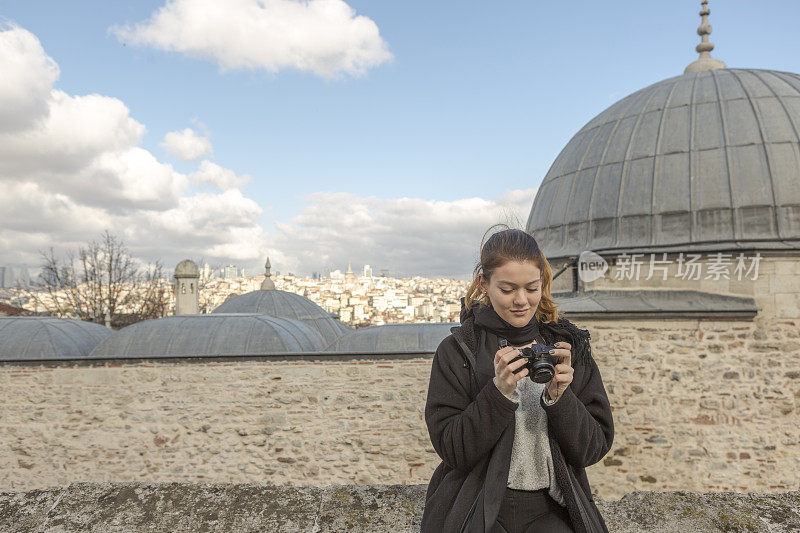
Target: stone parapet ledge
133, 507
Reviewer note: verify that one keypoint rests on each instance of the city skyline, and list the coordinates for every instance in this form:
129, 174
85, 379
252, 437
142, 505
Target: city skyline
358, 300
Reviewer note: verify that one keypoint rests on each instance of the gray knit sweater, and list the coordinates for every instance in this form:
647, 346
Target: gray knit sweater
531, 462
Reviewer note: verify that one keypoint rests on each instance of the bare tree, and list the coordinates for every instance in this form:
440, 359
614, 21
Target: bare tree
102, 283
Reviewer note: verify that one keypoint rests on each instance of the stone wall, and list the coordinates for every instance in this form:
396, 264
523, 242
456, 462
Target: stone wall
698, 405
701, 406
126, 507
299, 422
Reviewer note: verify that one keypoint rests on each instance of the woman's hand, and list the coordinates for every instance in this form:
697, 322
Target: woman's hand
564, 371
505, 378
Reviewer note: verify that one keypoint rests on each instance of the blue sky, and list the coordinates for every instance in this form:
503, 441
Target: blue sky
475, 103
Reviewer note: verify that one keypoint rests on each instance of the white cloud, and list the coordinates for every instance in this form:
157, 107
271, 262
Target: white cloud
27, 76
324, 37
130, 178
223, 178
71, 167
75, 130
405, 235
186, 144
216, 226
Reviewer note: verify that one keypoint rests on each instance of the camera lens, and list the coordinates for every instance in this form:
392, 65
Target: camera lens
542, 372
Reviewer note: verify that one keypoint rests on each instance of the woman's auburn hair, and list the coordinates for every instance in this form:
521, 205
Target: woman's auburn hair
507, 244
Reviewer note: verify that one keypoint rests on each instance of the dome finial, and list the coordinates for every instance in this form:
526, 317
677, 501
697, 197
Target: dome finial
267, 284
705, 61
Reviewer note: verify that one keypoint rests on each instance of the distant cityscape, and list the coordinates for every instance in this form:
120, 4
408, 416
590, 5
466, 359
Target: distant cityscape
358, 299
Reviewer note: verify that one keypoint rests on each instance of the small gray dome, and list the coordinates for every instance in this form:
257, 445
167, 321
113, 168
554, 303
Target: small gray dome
287, 305
48, 338
187, 269
211, 335
704, 161
394, 338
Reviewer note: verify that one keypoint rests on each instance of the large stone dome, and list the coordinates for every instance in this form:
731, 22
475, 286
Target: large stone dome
287, 305
704, 161
48, 337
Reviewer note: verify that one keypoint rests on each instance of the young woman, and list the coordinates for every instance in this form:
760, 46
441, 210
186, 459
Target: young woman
514, 451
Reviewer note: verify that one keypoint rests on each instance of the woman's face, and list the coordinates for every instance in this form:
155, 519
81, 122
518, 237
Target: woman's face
514, 290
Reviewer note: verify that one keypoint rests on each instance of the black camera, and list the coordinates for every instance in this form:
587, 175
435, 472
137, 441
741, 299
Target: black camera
540, 364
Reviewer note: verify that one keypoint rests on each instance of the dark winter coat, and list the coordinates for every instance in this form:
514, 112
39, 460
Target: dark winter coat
471, 426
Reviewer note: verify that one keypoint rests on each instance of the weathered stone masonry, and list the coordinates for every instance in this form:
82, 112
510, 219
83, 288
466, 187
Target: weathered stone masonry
698, 405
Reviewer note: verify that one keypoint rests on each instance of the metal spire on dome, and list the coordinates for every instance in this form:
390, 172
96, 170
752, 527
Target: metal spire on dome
267, 284
705, 61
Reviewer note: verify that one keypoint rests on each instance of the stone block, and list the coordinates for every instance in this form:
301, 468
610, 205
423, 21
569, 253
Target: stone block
787, 305
304, 371
786, 267
785, 284
742, 288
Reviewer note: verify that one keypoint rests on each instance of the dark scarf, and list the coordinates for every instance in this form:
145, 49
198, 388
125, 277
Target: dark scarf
477, 339
487, 318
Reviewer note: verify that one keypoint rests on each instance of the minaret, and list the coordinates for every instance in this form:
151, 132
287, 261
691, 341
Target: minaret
705, 61
267, 284
187, 299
